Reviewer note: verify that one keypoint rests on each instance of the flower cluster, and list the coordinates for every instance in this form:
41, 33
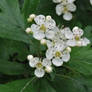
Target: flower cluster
65, 7
58, 41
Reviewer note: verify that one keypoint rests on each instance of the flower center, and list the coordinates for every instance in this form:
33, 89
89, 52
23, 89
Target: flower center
43, 28
39, 65
58, 54
77, 38
65, 9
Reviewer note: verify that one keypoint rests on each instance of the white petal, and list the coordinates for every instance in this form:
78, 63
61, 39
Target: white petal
59, 9
33, 62
71, 1
46, 62
50, 24
40, 19
38, 35
49, 53
91, 2
66, 57
57, 62
85, 42
71, 7
39, 73
77, 31
49, 44
68, 33
71, 43
60, 45
57, 1
50, 34
34, 27
67, 16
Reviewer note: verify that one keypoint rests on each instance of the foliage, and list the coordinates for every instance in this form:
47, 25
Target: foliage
15, 72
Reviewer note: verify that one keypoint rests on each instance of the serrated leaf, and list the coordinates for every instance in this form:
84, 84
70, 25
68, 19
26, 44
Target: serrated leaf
11, 22
81, 60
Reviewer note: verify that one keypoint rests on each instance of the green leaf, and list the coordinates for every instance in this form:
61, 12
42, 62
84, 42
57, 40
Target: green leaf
27, 85
11, 68
81, 60
88, 32
11, 22
17, 86
30, 6
64, 83
13, 50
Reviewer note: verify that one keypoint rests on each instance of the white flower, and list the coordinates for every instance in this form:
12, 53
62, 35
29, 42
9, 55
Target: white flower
44, 27
77, 39
57, 55
36, 63
91, 2
65, 9
41, 66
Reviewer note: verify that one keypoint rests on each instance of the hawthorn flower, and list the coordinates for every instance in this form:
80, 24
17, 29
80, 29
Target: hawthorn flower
66, 10
65, 7
44, 27
75, 37
41, 66
58, 54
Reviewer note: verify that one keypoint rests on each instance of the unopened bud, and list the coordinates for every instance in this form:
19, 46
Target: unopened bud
29, 57
48, 69
43, 41
68, 49
48, 17
28, 30
31, 17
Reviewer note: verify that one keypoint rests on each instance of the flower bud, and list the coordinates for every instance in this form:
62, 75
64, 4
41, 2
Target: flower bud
48, 69
29, 57
31, 17
48, 17
28, 30
68, 49
43, 41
